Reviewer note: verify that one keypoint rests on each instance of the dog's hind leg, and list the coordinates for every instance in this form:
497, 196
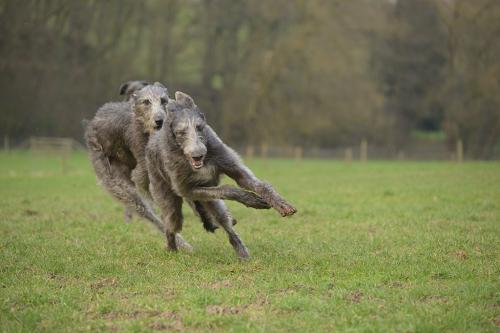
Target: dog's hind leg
121, 188
205, 217
218, 209
115, 177
141, 179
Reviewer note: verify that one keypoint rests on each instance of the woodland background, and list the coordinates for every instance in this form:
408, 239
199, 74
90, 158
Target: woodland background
308, 73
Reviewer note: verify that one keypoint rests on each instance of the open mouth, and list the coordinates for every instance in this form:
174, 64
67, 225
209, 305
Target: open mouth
196, 162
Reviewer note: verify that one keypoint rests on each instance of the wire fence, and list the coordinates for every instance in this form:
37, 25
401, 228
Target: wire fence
364, 151
418, 151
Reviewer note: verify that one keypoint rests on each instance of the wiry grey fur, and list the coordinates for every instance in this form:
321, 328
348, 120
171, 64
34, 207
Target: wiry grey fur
127, 89
116, 139
186, 158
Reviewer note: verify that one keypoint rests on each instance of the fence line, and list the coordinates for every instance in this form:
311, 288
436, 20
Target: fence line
364, 152
418, 150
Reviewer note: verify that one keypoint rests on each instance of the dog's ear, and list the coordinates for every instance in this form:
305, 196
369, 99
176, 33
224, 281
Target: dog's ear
184, 100
124, 87
129, 87
158, 84
171, 105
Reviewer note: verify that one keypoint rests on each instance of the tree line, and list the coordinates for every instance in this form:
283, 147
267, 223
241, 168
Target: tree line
310, 73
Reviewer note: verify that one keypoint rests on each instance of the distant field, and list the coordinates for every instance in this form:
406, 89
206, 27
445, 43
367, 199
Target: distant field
375, 247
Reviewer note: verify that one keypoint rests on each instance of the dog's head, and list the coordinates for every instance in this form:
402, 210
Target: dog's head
129, 87
187, 125
149, 106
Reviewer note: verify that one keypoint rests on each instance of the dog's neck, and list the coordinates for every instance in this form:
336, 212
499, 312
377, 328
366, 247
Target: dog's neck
138, 129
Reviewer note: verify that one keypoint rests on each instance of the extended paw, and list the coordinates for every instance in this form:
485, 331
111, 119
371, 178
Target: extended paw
209, 226
285, 209
182, 244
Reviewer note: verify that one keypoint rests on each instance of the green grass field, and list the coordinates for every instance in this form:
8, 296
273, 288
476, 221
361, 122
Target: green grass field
375, 247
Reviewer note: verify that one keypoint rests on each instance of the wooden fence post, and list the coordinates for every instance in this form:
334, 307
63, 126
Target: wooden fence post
460, 151
348, 155
298, 152
249, 151
6, 143
263, 150
401, 155
363, 151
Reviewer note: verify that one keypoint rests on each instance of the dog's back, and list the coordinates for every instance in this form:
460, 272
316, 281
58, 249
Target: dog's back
107, 131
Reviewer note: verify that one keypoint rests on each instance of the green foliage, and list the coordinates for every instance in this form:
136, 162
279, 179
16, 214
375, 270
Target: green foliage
375, 247
300, 72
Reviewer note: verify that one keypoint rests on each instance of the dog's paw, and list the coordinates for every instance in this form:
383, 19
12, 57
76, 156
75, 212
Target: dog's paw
285, 209
182, 244
209, 226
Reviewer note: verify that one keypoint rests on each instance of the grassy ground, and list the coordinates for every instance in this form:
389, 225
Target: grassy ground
376, 247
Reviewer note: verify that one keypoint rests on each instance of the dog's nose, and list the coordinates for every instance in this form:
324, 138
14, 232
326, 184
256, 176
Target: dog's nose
159, 123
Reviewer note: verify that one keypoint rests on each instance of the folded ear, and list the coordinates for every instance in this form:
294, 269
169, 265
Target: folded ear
129, 87
158, 84
124, 87
184, 100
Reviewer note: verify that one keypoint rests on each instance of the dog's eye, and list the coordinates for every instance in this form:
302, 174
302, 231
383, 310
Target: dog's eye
146, 102
163, 101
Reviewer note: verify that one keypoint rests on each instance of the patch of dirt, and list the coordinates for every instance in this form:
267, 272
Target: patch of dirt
285, 291
221, 309
53, 276
355, 296
169, 294
220, 284
296, 287
30, 212
496, 320
176, 325
462, 255
433, 298
254, 307
394, 284
440, 276
107, 282
137, 314
112, 328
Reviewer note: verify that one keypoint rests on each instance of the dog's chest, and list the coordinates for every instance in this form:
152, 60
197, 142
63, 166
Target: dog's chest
204, 176
184, 178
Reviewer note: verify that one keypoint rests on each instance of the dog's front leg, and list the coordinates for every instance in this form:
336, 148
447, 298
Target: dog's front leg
227, 192
246, 179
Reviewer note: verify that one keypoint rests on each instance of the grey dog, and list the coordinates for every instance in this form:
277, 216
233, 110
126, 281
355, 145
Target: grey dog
186, 158
129, 90
116, 139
